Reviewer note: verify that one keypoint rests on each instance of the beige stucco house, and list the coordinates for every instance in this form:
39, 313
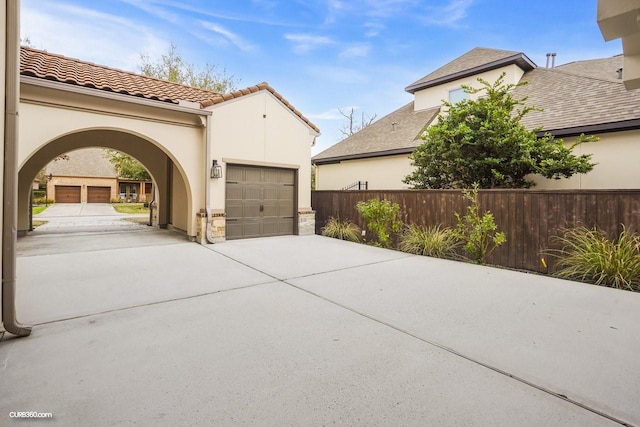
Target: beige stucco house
580, 97
259, 143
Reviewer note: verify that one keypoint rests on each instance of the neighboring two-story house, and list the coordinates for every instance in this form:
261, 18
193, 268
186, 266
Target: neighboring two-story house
579, 97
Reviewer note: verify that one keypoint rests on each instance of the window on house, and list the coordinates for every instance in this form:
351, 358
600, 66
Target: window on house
457, 95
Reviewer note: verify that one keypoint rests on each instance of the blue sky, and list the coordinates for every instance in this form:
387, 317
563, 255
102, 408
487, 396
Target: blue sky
321, 55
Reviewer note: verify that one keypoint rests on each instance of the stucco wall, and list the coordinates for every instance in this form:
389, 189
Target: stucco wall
149, 134
433, 96
617, 156
616, 153
258, 129
382, 173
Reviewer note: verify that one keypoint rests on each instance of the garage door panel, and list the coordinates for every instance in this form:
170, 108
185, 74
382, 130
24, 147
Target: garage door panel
260, 201
235, 211
252, 175
98, 194
235, 174
251, 210
271, 193
286, 193
252, 192
67, 194
234, 192
271, 176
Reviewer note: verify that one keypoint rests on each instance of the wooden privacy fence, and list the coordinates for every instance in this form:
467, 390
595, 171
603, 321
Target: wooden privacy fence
528, 217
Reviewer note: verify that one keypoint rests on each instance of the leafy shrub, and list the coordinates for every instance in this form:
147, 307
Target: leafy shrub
478, 232
432, 241
587, 255
381, 217
343, 230
42, 201
37, 194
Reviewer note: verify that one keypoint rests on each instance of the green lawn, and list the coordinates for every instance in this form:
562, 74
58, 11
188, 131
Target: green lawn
130, 208
38, 209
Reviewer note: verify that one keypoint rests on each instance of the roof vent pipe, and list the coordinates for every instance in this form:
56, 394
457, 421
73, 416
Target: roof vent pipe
553, 60
548, 55
619, 71
393, 126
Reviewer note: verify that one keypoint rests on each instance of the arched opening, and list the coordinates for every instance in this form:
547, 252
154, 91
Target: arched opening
172, 195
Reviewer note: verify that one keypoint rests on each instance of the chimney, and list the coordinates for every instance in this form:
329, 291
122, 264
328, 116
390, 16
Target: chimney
548, 55
553, 60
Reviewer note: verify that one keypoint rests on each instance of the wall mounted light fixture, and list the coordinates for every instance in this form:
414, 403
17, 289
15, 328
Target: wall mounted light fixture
216, 170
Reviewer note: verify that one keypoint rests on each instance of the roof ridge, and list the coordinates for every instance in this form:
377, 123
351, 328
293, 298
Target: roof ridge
118, 70
568, 73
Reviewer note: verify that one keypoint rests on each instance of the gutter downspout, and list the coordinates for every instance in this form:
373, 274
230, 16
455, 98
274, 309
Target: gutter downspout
10, 178
207, 182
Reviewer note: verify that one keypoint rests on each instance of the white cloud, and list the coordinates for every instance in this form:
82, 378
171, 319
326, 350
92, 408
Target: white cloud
358, 50
304, 43
449, 15
233, 38
87, 34
152, 8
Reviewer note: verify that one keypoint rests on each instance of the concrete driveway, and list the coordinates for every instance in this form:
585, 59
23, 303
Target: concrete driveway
309, 331
86, 217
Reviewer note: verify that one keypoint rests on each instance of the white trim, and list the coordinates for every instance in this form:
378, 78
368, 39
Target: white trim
66, 87
243, 162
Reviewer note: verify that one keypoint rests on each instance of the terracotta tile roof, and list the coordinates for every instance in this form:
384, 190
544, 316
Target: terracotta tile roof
222, 97
473, 62
383, 136
45, 65
86, 162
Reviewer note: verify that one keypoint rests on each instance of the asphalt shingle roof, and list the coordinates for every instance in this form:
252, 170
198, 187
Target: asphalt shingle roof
572, 96
383, 136
476, 60
86, 162
45, 65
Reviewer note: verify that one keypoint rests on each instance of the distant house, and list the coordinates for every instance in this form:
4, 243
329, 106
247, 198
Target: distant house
87, 176
579, 97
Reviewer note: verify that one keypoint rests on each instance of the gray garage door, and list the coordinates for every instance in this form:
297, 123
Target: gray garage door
98, 194
67, 194
260, 201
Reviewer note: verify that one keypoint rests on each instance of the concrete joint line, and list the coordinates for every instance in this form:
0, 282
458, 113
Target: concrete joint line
149, 304
468, 358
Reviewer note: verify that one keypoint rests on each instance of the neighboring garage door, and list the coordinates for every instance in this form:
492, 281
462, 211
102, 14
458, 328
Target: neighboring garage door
260, 202
67, 194
98, 194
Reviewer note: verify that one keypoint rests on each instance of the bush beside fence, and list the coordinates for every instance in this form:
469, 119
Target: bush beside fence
528, 217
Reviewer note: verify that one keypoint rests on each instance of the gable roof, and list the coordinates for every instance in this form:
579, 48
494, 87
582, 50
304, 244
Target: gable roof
396, 133
45, 65
475, 61
578, 97
222, 97
86, 162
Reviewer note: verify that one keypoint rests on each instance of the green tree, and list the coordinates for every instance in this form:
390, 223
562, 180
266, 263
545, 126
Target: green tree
173, 68
482, 141
127, 167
